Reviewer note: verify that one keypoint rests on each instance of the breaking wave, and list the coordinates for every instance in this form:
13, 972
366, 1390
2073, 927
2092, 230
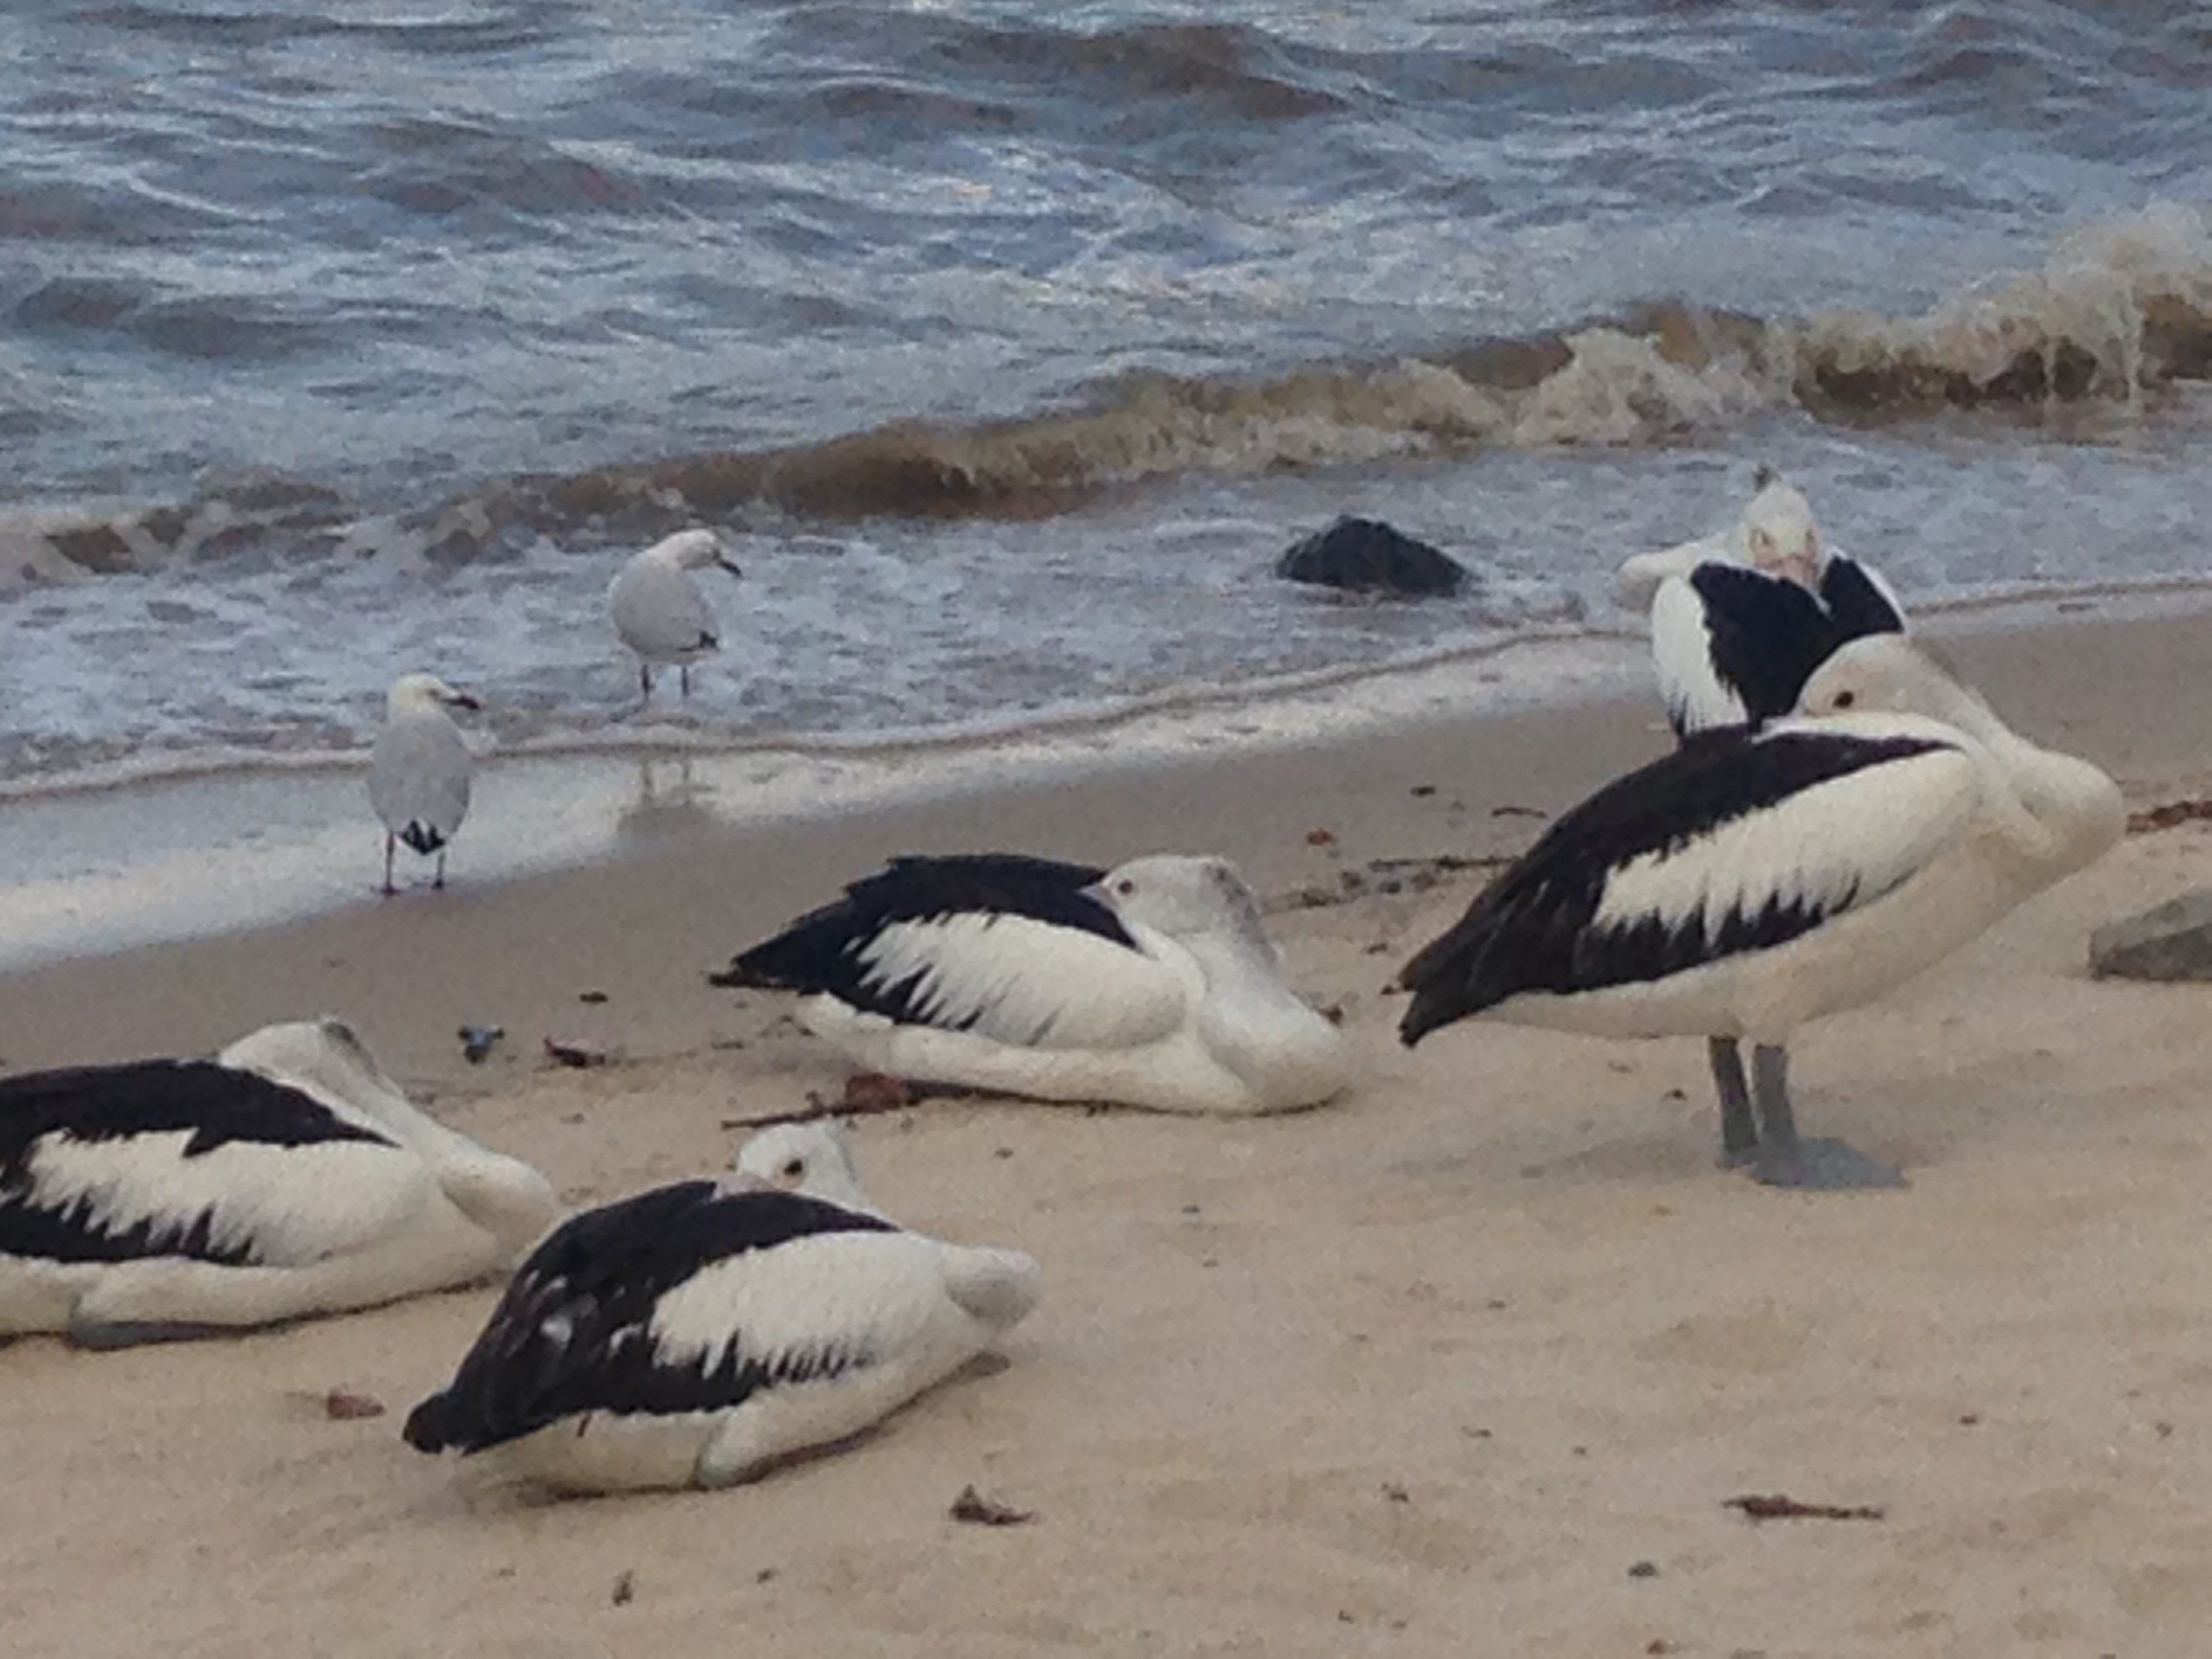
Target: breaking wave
2120, 310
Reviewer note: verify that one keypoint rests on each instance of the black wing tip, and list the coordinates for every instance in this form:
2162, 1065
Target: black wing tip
422, 838
431, 1427
746, 973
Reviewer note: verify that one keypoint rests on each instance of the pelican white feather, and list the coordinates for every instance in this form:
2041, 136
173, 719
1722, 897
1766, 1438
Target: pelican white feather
286, 1178
701, 1334
1151, 985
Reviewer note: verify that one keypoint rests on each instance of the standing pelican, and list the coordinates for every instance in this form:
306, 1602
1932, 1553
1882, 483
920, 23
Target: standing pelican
1760, 878
419, 771
701, 1334
286, 1177
1154, 984
658, 611
1739, 622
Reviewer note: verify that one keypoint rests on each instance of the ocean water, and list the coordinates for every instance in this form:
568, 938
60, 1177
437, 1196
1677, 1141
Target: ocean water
1012, 342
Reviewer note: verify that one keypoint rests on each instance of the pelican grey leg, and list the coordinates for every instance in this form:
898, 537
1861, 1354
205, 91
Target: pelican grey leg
390, 843
1786, 1160
1738, 1129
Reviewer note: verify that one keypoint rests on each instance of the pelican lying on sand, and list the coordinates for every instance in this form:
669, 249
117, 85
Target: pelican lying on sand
700, 1334
1154, 984
285, 1178
1759, 878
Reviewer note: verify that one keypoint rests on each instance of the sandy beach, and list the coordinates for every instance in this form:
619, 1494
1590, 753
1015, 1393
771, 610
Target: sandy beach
1471, 1362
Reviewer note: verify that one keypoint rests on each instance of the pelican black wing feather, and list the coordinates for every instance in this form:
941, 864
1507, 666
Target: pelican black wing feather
1533, 928
822, 951
574, 1332
215, 1105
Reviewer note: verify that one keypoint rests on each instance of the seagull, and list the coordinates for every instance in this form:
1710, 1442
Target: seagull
658, 610
419, 771
1759, 877
701, 1334
1153, 984
286, 1177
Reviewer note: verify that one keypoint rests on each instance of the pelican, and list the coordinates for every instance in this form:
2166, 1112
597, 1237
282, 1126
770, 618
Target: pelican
658, 611
1760, 878
1738, 630
1153, 985
703, 1332
286, 1177
419, 771
1739, 621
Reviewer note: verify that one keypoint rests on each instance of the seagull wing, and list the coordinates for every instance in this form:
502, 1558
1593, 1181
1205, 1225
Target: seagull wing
418, 780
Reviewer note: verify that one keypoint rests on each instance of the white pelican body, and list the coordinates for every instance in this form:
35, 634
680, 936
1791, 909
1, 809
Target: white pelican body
701, 1334
420, 770
1153, 985
288, 1177
658, 610
1757, 879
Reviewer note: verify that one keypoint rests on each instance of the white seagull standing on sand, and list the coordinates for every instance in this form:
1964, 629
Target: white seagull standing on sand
286, 1177
419, 771
1154, 984
1760, 878
700, 1334
658, 610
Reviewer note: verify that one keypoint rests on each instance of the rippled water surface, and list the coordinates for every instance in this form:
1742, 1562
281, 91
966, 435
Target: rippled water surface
1012, 342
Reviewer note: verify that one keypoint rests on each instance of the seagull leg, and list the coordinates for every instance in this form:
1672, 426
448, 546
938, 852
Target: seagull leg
1786, 1160
389, 842
683, 680
645, 684
1738, 1129
438, 881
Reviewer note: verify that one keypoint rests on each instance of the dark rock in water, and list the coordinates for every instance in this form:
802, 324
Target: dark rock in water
2172, 941
1365, 556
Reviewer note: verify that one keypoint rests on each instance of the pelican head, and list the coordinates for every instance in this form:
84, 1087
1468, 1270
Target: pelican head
1186, 897
693, 549
1779, 536
1889, 674
422, 694
812, 1158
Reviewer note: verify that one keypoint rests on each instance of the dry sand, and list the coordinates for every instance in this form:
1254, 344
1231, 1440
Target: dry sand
1469, 1363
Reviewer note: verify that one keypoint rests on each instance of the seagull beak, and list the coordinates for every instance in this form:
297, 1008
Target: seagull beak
730, 565
463, 699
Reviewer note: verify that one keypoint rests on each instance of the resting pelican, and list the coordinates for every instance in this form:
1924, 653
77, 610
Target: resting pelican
1760, 878
419, 771
1153, 985
658, 611
286, 1177
701, 1334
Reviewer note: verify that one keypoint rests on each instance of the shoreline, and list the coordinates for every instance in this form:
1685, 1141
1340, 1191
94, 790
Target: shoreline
116, 865
685, 887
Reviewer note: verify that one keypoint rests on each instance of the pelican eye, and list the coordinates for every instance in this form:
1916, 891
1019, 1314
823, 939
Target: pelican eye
793, 1168
1845, 699
1125, 887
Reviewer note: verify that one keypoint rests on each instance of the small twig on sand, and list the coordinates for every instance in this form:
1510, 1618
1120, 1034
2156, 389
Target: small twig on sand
2166, 814
1775, 1506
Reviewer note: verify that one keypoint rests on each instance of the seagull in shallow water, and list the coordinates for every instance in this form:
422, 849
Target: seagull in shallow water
658, 610
419, 772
